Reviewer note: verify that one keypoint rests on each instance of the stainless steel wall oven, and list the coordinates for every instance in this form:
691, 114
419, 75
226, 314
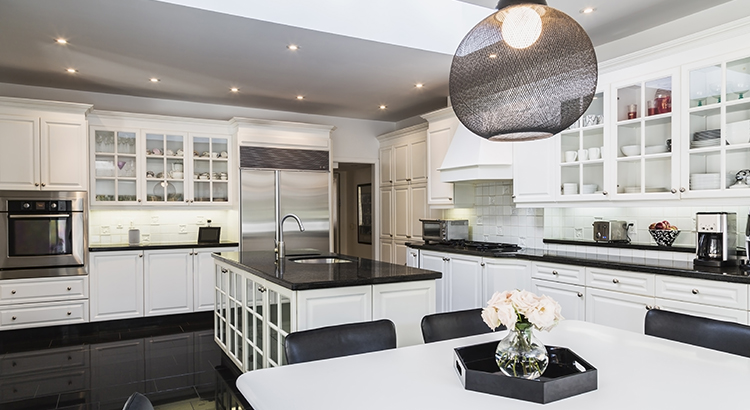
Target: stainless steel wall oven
42, 234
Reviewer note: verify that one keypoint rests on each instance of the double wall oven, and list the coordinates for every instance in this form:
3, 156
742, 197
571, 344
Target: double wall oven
42, 234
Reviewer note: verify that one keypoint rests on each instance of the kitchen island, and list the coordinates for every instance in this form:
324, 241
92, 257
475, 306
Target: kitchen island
260, 300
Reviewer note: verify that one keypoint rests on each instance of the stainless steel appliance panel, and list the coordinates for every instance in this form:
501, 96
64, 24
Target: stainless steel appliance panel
306, 194
257, 209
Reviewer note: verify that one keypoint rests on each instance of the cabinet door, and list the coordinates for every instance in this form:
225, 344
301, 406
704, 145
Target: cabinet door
328, 307
534, 171
386, 213
405, 304
711, 312
386, 250
438, 141
168, 278
417, 211
64, 155
400, 251
386, 166
116, 280
401, 212
401, 164
465, 282
570, 297
499, 275
616, 309
436, 261
412, 257
204, 271
19, 153
418, 159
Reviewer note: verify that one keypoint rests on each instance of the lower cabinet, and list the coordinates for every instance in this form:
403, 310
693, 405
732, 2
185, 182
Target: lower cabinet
571, 298
52, 372
253, 316
128, 284
499, 274
39, 302
616, 309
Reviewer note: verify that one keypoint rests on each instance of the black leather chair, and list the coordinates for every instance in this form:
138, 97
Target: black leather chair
699, 331
341, 340
452, 325
137, 401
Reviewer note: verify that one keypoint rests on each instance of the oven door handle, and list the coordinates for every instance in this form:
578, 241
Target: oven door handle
56, 216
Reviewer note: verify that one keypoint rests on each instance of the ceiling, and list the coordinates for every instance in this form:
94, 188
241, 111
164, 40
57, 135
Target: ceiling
199, 53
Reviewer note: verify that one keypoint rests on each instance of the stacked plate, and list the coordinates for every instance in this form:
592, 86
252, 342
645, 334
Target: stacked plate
708, 138
570, 188
587, 189
705, 181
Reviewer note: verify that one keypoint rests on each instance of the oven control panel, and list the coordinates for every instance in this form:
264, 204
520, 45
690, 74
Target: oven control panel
38, 206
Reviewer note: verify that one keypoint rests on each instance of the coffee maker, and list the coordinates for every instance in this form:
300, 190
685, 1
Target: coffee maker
717, 239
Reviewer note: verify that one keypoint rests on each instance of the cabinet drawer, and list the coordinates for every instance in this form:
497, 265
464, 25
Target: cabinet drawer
19, 388
622, 281
711, 312
559, 273
43, 290
53, 359
722, 294
44, 314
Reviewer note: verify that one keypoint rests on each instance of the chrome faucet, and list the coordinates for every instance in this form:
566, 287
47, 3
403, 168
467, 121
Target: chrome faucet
280, 252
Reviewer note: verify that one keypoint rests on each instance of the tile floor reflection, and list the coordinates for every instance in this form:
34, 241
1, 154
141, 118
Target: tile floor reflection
173, 360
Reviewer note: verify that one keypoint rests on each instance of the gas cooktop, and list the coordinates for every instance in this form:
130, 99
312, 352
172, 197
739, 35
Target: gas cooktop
489, 247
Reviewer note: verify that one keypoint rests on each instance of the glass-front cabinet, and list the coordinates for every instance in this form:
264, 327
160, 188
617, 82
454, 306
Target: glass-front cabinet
717, 130
582, 149
646, 143
165, 167
115, 166
210, 168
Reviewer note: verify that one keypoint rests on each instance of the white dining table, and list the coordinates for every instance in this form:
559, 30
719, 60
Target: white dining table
635, 371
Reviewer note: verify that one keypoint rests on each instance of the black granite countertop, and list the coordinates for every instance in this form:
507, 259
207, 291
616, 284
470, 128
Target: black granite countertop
106, 247
303, 276
647, 265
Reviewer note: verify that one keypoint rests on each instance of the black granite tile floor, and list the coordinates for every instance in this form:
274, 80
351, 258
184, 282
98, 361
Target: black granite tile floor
173, 360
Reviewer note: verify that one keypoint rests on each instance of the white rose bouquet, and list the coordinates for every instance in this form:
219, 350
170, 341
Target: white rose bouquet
521, 309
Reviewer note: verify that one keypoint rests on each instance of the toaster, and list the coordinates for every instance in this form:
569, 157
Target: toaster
611, 231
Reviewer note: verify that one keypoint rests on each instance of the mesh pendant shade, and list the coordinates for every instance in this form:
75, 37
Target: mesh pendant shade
511, 82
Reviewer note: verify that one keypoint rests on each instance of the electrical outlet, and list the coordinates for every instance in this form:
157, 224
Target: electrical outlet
479, 220
486, 238
632, 227
499, 230
154, 220
522, 242
579, 233
145, 237
183, 228
105, 230
119, 224
200, 220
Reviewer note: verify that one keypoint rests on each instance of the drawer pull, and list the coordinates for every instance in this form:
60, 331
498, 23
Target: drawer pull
615, 280
70, 288
695, 291
482, 264
12, 292
649, 307
554, 272
580, 295
70, 313
13, 318
224, 270
140, 256
261, 289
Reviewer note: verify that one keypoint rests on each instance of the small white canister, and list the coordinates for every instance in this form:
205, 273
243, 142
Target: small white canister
134, 236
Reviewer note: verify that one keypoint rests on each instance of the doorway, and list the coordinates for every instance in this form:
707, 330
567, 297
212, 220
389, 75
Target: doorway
353, 213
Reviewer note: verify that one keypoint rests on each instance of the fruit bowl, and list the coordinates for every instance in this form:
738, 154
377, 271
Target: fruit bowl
664, 237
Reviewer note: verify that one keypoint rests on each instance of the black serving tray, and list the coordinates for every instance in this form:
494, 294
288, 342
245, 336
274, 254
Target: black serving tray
478, 371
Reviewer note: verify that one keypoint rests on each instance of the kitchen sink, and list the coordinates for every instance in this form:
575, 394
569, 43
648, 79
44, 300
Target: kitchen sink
320, 259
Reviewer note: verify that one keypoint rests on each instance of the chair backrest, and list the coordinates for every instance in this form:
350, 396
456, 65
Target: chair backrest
452, 325
340, 340
137, 401
699, 331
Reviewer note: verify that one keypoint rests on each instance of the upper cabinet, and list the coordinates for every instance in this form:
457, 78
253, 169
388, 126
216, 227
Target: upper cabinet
43, 145
158, 161
403, 156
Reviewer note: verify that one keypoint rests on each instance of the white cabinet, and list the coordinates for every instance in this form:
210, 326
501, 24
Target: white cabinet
617, 309
399, 253
559, 273
713, 293
535, 171
43, 145
43, 302
405, 304
386, 213
695, 309
204, 271
500, 274
436, 261
443, 125
116, 285
571, 298
464, 282
387, 251
410, 205
410, 162
167, 282
385, 156
328, 307
412, 257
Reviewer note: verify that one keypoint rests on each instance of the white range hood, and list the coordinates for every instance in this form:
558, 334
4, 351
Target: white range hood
473, 158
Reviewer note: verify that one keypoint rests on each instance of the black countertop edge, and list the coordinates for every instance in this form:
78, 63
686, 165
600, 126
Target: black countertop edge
158, 245
685, 269
621, 245
412, 274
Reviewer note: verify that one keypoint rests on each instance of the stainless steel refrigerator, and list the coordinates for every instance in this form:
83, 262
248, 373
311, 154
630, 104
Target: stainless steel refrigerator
304, 191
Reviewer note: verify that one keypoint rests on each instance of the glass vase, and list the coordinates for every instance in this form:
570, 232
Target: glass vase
521, 354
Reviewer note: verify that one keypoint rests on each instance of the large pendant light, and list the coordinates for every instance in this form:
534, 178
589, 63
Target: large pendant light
526, 72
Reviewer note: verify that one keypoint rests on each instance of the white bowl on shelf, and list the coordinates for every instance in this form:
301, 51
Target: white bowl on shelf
738, 132
631, 150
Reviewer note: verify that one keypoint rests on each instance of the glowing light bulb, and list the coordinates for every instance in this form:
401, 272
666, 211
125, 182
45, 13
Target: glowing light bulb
521, 26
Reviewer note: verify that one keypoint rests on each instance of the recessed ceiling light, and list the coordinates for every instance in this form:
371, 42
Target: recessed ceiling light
588, 10
383, 106
300, 97
293, 47
154, 80
61, 41
493, 55
72, 70
419, 85
234, 89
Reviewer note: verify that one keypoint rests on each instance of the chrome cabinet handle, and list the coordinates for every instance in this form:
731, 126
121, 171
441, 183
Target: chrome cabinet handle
224, 270
605, 193
554, 272
649, 307
140, 256
695, 291
12, 292
513, 197
682, 189
36, 184
69, 288
13, 318
450, 199
615, 281
261, 289
674, 190
70, 313
408, 236
43, 184
580, 295
139, 200
482, 264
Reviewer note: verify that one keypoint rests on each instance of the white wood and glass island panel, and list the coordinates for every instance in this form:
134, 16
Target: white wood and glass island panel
259, 301
634, 371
